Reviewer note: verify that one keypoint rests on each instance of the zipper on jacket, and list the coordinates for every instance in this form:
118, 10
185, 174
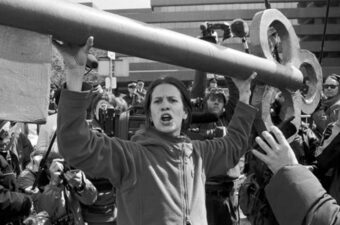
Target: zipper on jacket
186, 191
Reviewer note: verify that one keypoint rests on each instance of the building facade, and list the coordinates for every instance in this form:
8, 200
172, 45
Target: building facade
186, 16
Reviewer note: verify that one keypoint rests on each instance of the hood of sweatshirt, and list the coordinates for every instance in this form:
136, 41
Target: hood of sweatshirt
151, 136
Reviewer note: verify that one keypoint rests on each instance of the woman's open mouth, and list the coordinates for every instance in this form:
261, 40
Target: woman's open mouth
166, 118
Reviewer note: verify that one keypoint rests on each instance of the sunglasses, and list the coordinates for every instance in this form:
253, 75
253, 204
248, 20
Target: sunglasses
332, 86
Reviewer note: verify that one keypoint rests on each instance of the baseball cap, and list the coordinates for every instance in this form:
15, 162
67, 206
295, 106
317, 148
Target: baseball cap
132, 85
217, 92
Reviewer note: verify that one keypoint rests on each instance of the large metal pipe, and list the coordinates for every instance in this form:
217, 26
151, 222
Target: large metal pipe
74, 23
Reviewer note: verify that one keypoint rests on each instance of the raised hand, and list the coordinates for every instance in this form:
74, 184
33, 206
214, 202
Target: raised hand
56, 169
278, 152
75, 61
243, 87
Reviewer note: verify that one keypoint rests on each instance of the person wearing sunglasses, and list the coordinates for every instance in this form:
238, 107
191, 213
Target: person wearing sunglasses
329, 106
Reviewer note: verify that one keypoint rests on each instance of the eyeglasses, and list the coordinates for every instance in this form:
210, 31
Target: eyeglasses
332, 86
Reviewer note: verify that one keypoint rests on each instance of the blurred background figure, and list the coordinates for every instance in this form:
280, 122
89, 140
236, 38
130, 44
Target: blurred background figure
141, 91
212, 83
130, 98
14, 206
327, 112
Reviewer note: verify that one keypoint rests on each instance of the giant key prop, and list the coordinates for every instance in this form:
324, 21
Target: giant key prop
295, 101
73, 23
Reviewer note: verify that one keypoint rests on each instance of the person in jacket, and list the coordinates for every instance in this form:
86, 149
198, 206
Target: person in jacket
14, 205
131, 96
326, 166
215, 101
65, 191
329, 107
15, 146
301, 198
221, 199
160, 173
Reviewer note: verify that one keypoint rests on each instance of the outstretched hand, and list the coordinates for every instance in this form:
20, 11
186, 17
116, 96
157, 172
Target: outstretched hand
278, 152
243, 87
75, 61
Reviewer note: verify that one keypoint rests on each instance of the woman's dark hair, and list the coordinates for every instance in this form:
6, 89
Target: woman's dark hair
184, 94
57, 95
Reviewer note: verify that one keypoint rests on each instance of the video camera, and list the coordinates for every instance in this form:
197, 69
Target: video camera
209, 33
107, 120
117, 124
197, 103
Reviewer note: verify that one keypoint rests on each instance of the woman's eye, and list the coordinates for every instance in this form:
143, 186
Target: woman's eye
173, 100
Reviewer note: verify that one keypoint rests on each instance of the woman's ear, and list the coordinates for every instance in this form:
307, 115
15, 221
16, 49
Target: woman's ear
150, 121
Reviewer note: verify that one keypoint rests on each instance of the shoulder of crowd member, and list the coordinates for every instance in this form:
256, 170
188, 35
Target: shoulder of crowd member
335, 106
87, 192
13, 205
4, 166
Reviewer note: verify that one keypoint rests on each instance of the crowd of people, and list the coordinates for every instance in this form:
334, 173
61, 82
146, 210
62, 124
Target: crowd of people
183, 167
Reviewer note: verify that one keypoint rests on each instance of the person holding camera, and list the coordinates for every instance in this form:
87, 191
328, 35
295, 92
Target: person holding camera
62, 196
160, 173
221, 194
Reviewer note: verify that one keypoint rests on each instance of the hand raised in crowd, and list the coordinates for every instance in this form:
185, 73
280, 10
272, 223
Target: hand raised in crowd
74, 178
98, 89
278, 152
55, 169
75, 61
243, 87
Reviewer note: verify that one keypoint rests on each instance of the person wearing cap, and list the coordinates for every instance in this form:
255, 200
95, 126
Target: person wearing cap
221, 196
130, 98
139, 98
221, 101
214, 103
221, 199
141, 91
